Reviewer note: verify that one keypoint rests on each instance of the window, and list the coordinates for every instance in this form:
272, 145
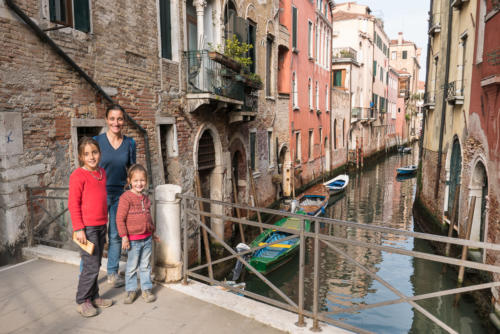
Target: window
381, 74
295, 94
327, 101
269, 53
311, 144
251, 40
269, 146
374, 68
317, 96
405, 54
165, 29
294, 27
316, 42
71, 13
343, 133
334, 134
252, 150
310, 94
298, 149
337, 78
394, 55
310, 40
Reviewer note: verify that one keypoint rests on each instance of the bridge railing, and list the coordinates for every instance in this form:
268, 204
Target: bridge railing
193, 222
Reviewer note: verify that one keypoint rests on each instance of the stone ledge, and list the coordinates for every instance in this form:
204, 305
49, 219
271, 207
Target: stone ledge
19, 173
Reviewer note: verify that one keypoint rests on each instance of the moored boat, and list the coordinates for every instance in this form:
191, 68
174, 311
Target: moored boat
407, 170
314, 200
269, 258
337, 184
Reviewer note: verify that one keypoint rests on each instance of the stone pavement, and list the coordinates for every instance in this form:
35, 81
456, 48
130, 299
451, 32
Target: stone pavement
38, 296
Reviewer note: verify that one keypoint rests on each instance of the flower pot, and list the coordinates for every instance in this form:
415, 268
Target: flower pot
224, 60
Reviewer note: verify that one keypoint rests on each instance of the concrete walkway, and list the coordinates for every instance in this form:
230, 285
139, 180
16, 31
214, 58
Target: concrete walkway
38, 296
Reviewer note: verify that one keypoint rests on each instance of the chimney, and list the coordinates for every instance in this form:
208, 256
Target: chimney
400, 38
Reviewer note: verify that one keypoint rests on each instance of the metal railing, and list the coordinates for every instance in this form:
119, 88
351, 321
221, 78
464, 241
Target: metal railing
345, 52
454, 89
193, 218
49, 220
356, 112
434, 23
206, 75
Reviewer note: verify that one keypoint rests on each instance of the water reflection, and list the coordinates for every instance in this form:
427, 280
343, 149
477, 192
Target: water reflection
375, 196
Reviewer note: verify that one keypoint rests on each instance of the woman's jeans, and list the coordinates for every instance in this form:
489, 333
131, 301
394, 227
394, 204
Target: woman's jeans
139, 258
115, 242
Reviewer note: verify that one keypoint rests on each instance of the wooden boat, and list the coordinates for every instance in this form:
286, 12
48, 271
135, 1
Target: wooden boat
269, 258
337, 184
407, 170
403, 149
314, 200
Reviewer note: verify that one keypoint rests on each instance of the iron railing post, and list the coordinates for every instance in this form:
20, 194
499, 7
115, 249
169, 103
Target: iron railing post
185, 237
302, 255
315, 327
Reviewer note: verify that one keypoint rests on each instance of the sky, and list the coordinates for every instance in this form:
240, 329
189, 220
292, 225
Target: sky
407, 16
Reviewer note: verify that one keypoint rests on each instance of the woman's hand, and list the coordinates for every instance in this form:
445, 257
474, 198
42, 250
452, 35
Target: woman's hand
125, 243
81, 237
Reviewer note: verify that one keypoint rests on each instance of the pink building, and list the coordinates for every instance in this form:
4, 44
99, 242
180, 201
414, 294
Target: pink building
308, 60
392, 105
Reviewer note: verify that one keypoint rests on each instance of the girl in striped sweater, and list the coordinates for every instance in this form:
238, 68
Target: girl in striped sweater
136, 228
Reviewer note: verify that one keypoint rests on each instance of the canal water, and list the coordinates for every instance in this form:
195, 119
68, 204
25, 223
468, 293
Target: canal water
374, 196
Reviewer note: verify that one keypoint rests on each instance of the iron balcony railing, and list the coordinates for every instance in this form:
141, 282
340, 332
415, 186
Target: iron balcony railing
356, 112
454, 91
345, 52
434, 23
206, 75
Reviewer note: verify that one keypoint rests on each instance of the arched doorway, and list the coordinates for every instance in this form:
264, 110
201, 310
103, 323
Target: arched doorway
479, 188
208, 161
238, 167
455, 172
285, 165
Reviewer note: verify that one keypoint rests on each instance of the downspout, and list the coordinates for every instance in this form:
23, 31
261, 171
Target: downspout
444, 104
421, 141
45, 38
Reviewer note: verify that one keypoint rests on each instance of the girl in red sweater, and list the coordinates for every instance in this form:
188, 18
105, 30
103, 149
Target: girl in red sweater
88, 208
136, 228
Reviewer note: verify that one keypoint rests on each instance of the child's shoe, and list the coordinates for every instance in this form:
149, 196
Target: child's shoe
130, 297
116, 280
102, 302
148, 296
86, 309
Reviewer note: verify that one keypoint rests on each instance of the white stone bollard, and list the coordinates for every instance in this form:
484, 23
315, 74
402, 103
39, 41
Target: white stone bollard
168, 265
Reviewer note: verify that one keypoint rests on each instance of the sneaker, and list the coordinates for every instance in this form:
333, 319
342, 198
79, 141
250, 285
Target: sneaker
116, 280
148, 296
86, 309
102, 302
130, 297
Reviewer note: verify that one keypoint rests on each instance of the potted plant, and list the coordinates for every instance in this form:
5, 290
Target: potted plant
232, 55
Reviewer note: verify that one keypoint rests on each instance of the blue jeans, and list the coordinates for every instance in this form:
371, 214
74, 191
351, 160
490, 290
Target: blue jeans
115, 242
139, 258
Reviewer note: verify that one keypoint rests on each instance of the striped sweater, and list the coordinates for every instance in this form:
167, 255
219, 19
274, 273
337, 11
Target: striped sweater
133, 216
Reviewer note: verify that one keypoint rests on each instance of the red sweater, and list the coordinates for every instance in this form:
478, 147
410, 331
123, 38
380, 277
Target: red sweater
87, 202
133, 216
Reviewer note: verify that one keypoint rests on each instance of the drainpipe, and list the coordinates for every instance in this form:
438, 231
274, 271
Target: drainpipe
45, 38
421, 147
444, 104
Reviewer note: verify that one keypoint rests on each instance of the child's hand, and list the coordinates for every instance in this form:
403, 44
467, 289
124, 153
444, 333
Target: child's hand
125, 243
156, 238
81, 237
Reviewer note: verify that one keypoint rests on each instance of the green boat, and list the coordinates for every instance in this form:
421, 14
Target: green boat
269, 258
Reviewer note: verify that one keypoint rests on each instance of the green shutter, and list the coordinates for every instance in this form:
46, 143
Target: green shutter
294, 27
165, 29
52, 10
337, 78
374, 68
82, 15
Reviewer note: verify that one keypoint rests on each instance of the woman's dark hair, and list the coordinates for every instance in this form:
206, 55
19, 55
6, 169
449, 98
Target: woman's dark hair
115, 107
136, 168
84, 141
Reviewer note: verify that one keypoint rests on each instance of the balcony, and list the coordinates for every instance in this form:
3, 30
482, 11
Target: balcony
359, 114
214, 83
434, 23
455, 92
457, 3
429, 100
405, 93
344, 55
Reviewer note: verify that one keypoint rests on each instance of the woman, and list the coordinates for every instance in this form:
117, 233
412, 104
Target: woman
118, 153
